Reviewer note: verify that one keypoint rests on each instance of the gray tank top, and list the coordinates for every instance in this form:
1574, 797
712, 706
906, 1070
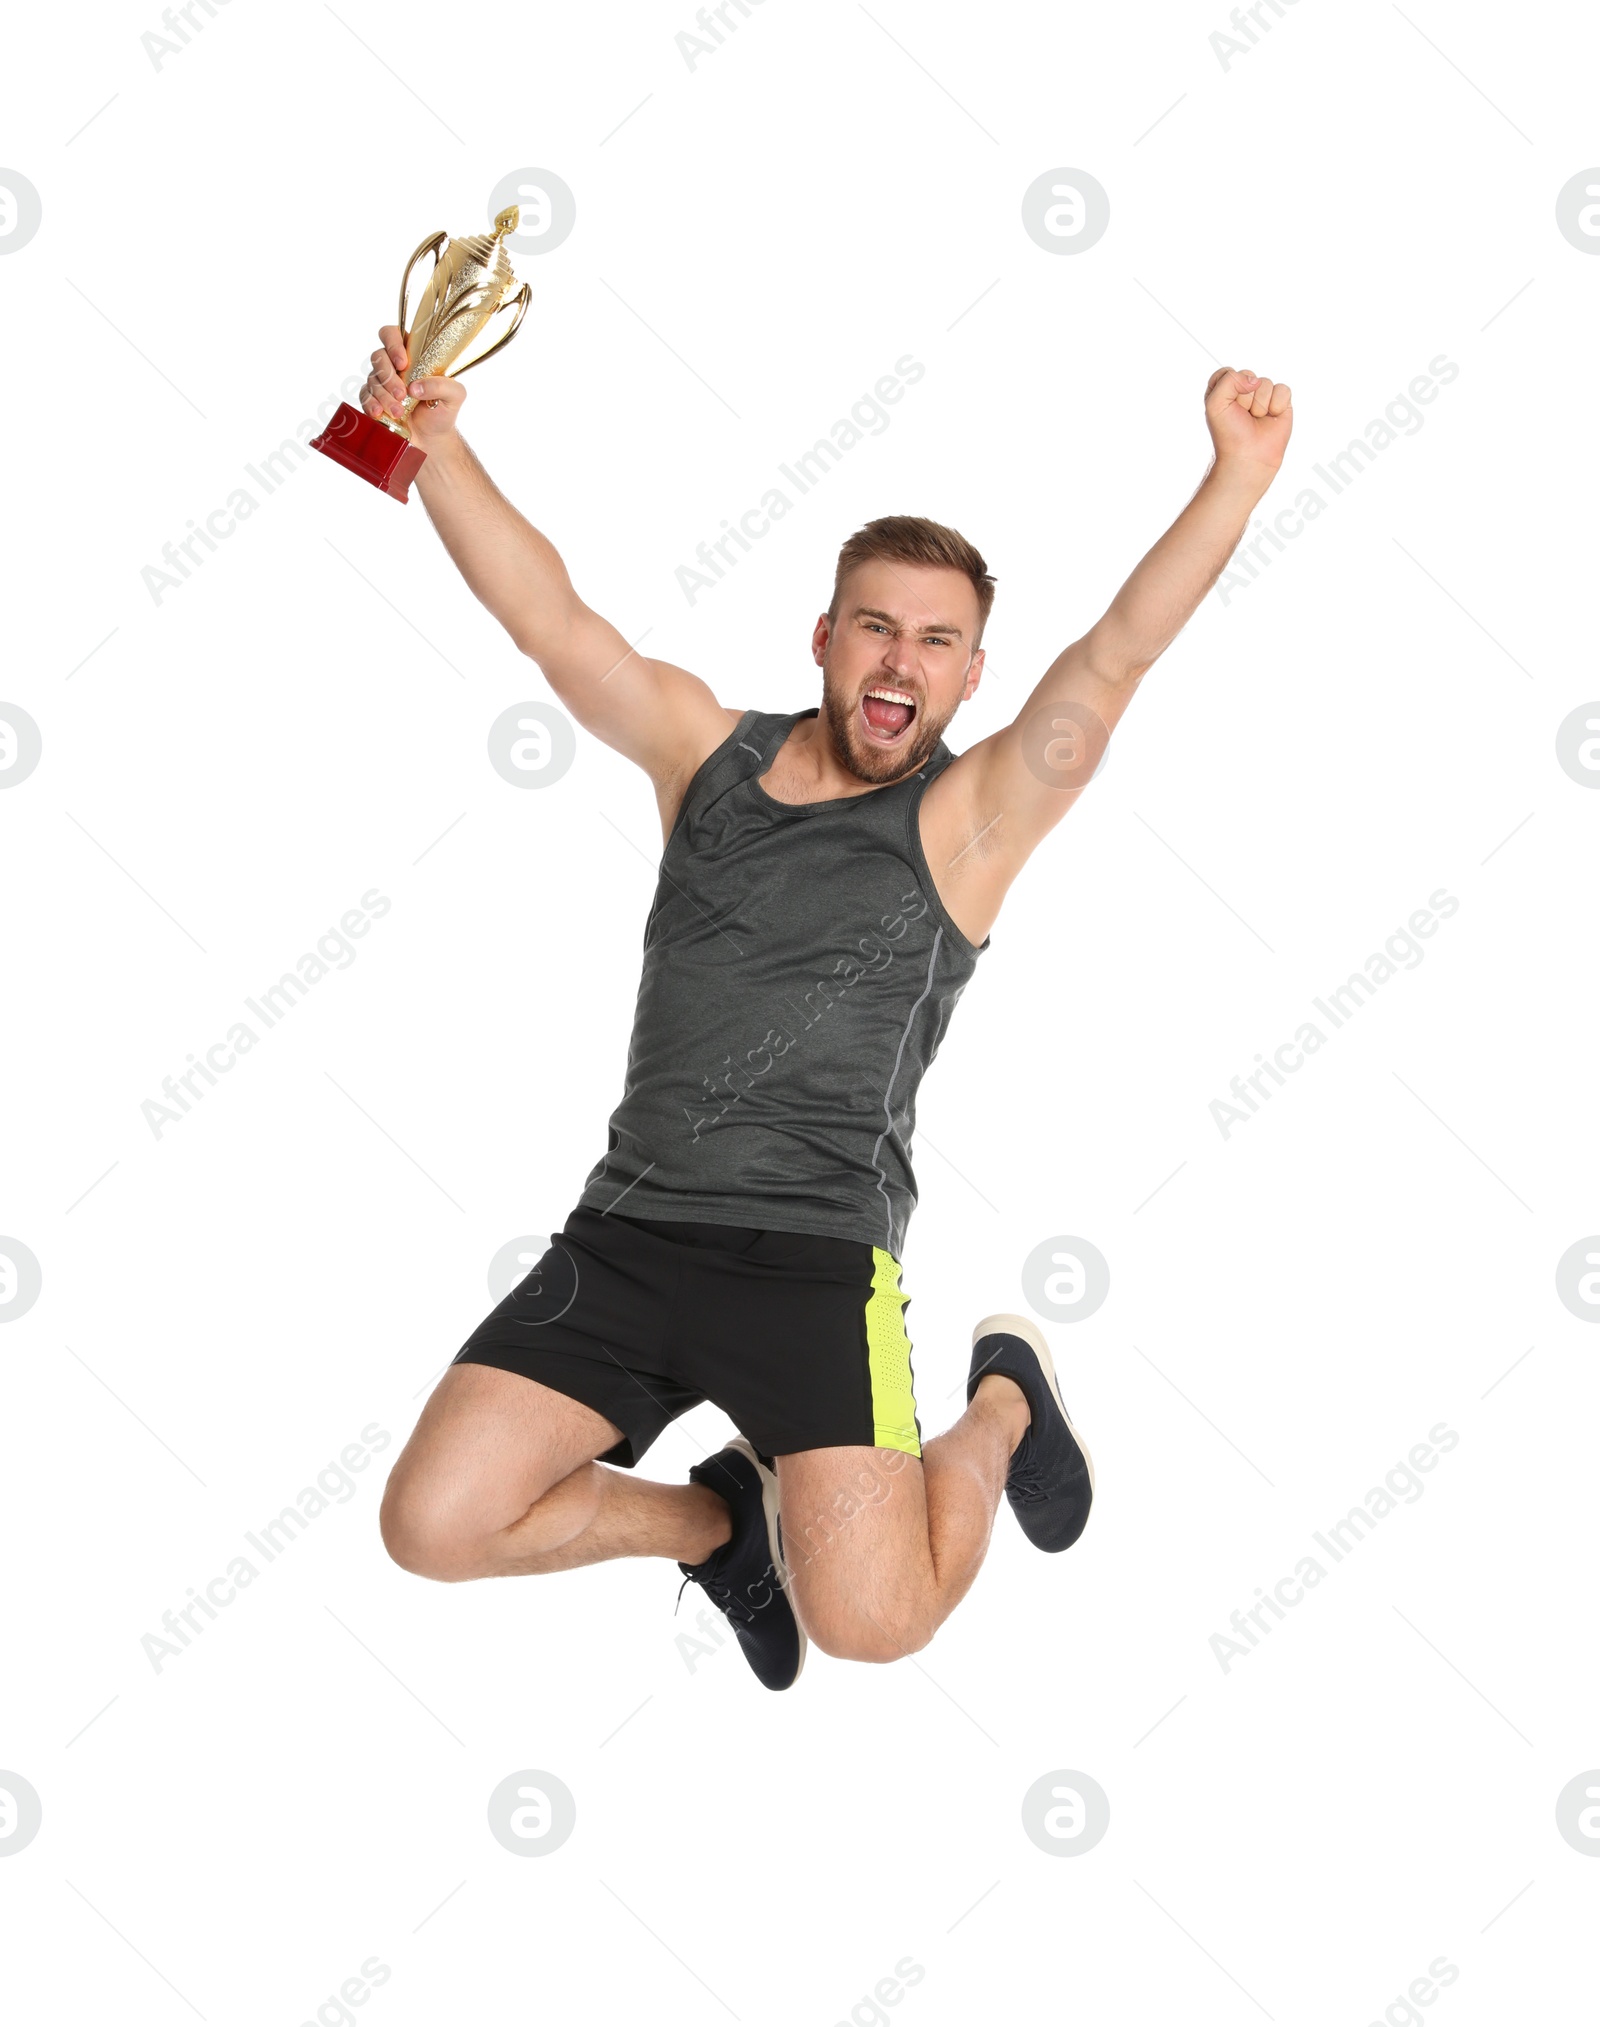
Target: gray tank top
799, 973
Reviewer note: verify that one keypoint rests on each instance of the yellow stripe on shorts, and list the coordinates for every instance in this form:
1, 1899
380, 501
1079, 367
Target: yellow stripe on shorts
894, 1407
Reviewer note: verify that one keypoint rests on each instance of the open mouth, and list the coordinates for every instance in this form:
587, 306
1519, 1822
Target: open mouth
887, 713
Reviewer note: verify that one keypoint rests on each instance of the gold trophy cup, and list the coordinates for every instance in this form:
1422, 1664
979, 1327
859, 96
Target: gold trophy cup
469, 286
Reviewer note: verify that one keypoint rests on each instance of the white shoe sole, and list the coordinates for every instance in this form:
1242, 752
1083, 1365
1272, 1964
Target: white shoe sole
1033, 1336
769, 1512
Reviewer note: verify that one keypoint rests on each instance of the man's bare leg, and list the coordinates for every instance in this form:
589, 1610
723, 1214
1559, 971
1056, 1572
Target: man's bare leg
499, 1479
882, 1547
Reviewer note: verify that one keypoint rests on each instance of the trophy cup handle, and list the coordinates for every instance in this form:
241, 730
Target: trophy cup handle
521, 299
435, 245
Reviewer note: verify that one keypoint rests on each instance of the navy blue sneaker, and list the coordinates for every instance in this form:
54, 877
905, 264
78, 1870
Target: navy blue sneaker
746, 1578
1051, 1481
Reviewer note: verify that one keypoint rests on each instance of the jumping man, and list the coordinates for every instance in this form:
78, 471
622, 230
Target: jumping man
828, 883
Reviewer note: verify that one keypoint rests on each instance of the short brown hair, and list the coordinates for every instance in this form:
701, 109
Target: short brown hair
908, 538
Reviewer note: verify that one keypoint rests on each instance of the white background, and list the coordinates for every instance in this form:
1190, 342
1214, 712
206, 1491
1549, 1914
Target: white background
226, 770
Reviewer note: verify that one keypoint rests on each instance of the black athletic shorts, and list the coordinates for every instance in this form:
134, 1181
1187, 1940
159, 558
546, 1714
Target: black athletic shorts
800, 1340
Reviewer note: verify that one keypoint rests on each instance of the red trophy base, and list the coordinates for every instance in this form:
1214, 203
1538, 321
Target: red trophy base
364, 446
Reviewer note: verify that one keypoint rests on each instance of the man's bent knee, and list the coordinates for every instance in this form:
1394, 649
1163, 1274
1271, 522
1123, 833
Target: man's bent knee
852, 1636
431, 1537
426, 1545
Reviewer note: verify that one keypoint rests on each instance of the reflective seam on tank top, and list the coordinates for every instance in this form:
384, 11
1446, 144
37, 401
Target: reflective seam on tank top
888, 1116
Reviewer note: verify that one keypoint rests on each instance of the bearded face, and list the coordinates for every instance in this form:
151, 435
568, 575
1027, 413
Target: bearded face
896, 665
880, 731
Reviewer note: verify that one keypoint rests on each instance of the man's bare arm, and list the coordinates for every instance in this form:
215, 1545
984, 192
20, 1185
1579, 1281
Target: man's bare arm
1020, 782
654, 713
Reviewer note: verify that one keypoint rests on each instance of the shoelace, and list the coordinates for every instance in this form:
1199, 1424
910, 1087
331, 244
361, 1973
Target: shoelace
1024, 1480
721, 1595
